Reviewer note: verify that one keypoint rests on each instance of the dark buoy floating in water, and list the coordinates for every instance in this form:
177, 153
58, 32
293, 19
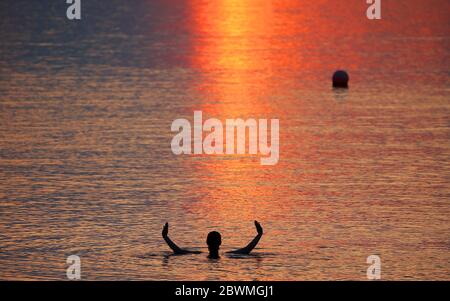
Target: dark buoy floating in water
340, 79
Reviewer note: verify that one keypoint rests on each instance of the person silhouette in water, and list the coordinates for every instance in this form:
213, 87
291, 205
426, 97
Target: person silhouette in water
214, 240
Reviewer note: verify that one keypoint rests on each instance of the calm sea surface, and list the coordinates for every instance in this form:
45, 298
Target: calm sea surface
86, 166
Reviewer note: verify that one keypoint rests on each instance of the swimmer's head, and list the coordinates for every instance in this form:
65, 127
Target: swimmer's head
214, 240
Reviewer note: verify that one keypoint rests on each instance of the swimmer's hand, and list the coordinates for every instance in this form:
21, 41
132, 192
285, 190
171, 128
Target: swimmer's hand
247, 249
176, 249
259, 229
165, 230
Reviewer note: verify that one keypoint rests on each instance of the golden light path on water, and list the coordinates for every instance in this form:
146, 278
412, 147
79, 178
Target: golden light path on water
238, 84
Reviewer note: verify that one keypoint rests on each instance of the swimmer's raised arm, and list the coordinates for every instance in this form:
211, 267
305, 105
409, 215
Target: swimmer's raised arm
176, 249
253, 243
